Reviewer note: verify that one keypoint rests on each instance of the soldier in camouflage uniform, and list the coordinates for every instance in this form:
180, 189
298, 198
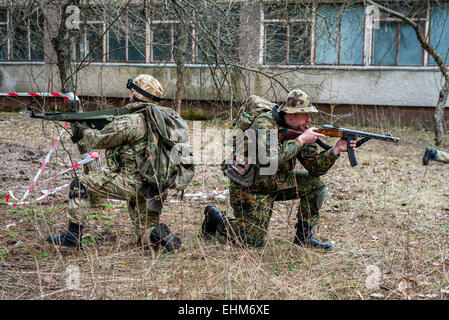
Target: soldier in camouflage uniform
124, 139
252, 203
436, 155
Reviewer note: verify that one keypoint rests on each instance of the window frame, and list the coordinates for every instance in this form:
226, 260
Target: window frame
83, 38
264, 22
127, 37
171, 23
8, 40
423, 21
429, 27
315, 40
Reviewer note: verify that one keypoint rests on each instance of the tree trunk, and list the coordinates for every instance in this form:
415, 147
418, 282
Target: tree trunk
180, 70
438, 116
62, 45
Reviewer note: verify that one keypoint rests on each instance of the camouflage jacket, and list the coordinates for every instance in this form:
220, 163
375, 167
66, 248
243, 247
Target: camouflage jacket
286, 152
151, 143
124, 137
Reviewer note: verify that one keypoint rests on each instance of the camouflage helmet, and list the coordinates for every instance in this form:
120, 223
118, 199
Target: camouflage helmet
297, 102
149, 84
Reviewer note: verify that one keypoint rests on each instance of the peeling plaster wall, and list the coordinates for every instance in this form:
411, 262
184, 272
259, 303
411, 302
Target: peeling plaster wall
360, 87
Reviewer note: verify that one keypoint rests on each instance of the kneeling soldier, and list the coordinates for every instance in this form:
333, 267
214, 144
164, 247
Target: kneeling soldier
252, 194
125, 140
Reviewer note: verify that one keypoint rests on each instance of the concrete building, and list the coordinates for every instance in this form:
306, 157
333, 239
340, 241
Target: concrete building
349, 61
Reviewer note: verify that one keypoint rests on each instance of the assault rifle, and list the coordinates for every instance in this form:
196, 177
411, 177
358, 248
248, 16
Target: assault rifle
335, 131
93, 119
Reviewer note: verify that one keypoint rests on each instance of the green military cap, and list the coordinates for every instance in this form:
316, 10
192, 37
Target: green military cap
297, 102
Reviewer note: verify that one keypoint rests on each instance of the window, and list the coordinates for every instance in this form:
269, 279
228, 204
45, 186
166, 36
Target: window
439, 30
287, 32
162, 42
395, 42
90, 41
339, 34
136, 36
28, 36
221, 34
127, 38
166, 37
3, 34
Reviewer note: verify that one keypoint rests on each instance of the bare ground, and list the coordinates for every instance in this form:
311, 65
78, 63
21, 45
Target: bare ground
387, 219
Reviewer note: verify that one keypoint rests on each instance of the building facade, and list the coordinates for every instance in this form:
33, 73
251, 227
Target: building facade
340, 54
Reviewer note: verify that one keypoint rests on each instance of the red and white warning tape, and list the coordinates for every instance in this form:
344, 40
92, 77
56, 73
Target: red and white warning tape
87, 157
67, 96
47, 158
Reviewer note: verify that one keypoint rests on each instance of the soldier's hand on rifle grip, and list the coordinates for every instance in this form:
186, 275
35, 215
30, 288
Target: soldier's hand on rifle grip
342, 145
310, 136
78, 131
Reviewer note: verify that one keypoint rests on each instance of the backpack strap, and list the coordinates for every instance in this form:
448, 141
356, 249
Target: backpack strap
277, 117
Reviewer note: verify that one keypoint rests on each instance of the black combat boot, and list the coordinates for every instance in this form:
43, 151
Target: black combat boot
212, 220
161, 236
71, 238
304, 237
429, 154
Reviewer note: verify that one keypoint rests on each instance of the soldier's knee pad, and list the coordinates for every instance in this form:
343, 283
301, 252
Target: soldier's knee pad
77, 190
320, 198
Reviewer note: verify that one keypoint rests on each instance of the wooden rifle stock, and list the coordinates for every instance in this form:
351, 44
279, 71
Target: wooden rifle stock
335, 131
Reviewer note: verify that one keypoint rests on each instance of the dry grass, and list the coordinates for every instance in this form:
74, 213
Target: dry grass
388, 215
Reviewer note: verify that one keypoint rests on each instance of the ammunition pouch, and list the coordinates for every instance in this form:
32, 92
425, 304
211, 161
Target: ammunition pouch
239, 170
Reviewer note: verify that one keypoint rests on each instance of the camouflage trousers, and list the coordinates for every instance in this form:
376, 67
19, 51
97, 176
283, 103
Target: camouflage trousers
102, 185
253, 210
442, 156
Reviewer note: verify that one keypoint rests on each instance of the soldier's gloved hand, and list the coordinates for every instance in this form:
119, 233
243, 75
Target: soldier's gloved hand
78, 131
